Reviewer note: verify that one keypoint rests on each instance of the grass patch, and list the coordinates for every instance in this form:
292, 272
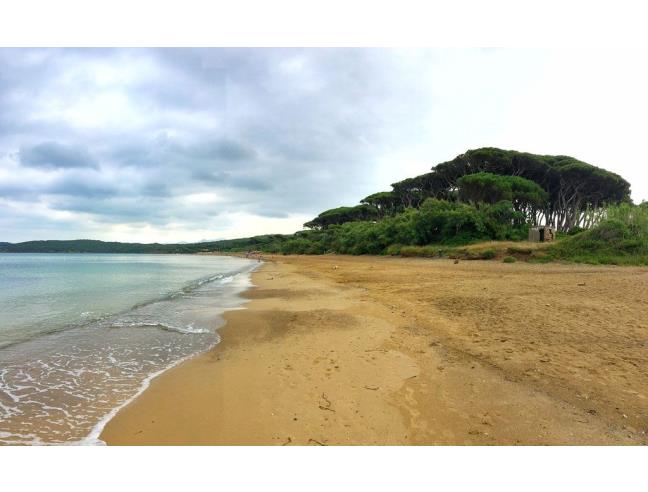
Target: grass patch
487, 250
488, 254
421, 251
622, 239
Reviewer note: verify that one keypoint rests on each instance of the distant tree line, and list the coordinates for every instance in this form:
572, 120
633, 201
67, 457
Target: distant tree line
265, 242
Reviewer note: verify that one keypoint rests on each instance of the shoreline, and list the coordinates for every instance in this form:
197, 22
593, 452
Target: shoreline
116, 430
352, 350
93, 437
62, 386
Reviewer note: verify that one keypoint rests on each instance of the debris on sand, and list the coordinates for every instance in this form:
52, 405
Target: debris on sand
325, 403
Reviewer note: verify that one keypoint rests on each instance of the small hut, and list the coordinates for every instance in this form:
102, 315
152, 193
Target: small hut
542, 234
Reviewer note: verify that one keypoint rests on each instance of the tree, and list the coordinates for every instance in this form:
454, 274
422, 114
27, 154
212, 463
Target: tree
525, 195
577, 191
411, 192
484, 188
384, 201
341, 215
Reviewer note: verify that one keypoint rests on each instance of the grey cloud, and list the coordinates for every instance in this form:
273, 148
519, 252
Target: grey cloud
162, 150
125, 135
270, 213
55, 155
82, 184
156, 189
216, 151
229, 150
209, 176
223, 178
250, 183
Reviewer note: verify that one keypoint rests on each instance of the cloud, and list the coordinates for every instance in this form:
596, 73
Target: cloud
234, 180
183, 144
55, 155
227, 150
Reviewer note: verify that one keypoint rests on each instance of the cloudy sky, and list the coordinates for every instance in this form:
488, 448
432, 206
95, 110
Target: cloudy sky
185, 145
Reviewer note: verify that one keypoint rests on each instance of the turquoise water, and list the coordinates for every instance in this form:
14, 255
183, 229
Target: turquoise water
81, 334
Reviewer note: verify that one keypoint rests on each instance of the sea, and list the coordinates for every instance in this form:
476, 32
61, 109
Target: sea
81, 335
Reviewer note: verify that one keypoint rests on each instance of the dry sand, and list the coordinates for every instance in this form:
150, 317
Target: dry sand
368, 350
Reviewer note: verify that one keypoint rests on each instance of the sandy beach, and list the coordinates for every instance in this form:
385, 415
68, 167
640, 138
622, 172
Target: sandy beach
335, 350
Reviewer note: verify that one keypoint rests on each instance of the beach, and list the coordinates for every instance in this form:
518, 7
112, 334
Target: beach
337, 350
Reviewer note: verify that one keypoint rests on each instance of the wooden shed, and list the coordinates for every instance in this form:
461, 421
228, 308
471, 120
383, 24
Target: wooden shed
542, 234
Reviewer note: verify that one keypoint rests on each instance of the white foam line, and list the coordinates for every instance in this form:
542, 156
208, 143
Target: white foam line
92, 439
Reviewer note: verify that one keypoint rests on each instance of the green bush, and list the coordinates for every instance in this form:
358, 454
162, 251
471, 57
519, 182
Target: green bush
424, 251
620, 239
574, 230
519, 250
393, 250
509, 259
488, 254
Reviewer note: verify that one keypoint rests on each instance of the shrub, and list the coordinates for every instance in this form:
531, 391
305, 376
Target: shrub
488, 254
574, 230
519, 250
621, 239
393, 250
423, 251
509, 259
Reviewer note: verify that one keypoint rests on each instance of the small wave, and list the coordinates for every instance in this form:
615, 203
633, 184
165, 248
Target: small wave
189, 329
20, 439
92, 439
88, 318
187, 289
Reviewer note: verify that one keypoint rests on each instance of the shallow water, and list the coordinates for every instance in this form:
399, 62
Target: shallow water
80, 335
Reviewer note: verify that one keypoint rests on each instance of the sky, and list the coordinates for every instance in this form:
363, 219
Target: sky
184, 145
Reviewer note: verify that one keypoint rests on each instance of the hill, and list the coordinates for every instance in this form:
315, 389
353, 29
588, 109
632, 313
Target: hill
94, 246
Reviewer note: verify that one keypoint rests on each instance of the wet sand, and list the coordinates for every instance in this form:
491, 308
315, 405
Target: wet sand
336, 350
